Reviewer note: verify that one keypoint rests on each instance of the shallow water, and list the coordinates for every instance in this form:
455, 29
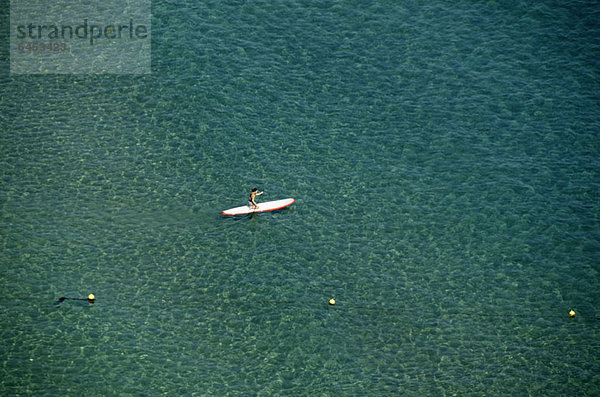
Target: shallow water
444, 160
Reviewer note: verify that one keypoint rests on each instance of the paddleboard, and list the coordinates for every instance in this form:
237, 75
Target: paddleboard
262, 207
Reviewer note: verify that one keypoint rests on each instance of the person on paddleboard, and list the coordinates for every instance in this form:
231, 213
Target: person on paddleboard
251, 201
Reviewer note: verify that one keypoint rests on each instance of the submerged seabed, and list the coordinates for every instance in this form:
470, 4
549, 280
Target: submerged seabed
444, 159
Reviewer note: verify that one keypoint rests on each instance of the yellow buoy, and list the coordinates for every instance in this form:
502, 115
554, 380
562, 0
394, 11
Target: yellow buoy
572, 313
332, 301
91, 297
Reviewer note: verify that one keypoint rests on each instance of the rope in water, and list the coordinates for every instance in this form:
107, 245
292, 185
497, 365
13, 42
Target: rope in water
571, 314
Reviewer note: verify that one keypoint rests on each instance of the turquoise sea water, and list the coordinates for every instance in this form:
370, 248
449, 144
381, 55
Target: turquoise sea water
444, 157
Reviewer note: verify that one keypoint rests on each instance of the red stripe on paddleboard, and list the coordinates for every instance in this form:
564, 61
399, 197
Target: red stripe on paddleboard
257, 212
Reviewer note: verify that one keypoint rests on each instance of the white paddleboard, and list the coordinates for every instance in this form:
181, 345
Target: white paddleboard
262, 207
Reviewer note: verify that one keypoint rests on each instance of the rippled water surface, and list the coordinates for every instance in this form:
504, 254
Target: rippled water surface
444, 158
